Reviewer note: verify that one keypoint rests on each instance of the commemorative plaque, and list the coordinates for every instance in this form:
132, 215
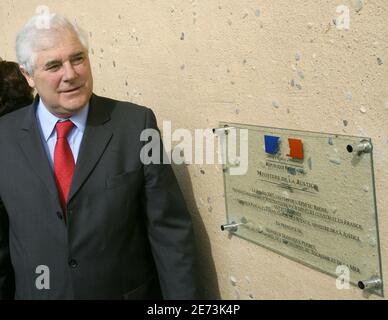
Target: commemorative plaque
308, 196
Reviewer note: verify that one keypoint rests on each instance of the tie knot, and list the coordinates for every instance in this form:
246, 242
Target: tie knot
63, 128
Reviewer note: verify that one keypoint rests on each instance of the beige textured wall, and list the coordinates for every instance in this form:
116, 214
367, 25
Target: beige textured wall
275, 63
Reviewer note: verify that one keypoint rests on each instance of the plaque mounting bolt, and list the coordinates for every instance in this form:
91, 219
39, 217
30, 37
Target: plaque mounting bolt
363, 147
232, 227
224, 130
372, 283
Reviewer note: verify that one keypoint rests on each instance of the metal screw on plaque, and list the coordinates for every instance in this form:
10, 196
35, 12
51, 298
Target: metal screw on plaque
225, 129
231, 227
372, 283
363, 147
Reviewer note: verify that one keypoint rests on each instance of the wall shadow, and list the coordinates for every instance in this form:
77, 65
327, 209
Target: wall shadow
206, 267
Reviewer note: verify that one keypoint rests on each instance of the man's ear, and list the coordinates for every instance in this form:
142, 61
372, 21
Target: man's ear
28, 77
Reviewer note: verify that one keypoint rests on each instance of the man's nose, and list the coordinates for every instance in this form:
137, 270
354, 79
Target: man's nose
69, 72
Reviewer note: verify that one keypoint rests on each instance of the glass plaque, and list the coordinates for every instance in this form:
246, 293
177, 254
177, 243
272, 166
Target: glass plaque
308, 196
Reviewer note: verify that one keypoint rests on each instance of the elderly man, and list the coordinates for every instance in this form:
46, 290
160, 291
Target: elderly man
81, 216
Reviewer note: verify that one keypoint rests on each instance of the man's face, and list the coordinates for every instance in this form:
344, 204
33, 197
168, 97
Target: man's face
62, 75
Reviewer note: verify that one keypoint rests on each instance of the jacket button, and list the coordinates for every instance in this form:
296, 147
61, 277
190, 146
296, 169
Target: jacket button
59, 214
73, 263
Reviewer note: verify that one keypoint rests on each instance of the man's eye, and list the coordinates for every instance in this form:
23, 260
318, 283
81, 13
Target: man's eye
54, 67
77, 60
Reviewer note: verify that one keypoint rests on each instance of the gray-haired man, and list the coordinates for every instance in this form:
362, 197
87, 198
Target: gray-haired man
75, 199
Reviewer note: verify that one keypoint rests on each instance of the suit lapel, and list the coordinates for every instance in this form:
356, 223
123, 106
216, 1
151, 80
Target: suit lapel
32, 146
94, 142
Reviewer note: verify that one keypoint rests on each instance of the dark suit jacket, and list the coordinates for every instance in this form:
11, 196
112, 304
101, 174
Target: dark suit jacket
128, 230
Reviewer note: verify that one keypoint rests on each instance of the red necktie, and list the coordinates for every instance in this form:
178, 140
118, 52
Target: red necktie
63, 162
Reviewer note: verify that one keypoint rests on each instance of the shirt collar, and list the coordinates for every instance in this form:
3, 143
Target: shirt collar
48, 120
